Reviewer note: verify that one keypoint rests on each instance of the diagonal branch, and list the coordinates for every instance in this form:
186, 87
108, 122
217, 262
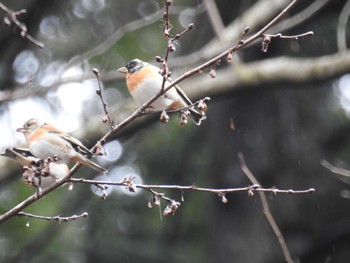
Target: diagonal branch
266, 210
215, 18
341, 30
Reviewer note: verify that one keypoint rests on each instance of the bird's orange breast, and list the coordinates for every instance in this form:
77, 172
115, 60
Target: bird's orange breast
36, 135
133, 80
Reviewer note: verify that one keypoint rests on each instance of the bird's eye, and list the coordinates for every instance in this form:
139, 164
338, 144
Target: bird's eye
28, 124
132, 64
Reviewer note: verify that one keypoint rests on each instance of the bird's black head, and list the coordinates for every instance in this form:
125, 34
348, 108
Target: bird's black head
134, 65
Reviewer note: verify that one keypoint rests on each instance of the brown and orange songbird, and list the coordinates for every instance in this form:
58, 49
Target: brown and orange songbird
45, 140
144, 81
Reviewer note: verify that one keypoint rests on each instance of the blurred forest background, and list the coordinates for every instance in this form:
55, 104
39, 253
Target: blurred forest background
290, 107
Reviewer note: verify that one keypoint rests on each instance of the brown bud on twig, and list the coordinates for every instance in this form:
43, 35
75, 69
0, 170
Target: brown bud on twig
223, 198
229, 58
166, 33
45, 171
129, 184
104, 193
100, 150
70, 186
105, 119
265, 43
28, 176
184, 117
132, 187
212, 73
164, 117
24, 30
95, 71
171, 47
246, 30
202, 105
171, 208
155, 201
190, 26
252, 188
158, 59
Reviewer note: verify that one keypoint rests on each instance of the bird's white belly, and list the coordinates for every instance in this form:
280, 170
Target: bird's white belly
149, 89
44, 149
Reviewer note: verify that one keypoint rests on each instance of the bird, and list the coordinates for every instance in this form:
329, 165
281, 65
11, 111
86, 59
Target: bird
144, 81
43, 177
45, 140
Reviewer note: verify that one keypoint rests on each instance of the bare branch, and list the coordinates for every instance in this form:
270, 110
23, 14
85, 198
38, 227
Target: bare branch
266, 210
335, 169
267, 38
341, 30
253, 188
300, 17
256, 15
215, 18
340, 173
19, 207
11, 17
54, 218
287, 69
106, 118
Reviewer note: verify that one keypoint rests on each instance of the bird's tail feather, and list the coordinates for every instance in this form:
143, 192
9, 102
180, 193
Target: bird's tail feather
85, 161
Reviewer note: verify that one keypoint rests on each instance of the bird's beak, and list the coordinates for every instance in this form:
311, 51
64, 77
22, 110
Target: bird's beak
123, 70
22, 130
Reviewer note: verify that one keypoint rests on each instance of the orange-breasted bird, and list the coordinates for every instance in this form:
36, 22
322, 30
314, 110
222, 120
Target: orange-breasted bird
144, 81
45, 140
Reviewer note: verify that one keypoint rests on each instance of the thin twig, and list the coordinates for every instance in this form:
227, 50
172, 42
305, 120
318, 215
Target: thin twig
171, 42
340, 173
335, 169
300, 17
106, 118
266, 210
173, 205
254, 188
268, 37
11, 17
54, 218
201, 105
